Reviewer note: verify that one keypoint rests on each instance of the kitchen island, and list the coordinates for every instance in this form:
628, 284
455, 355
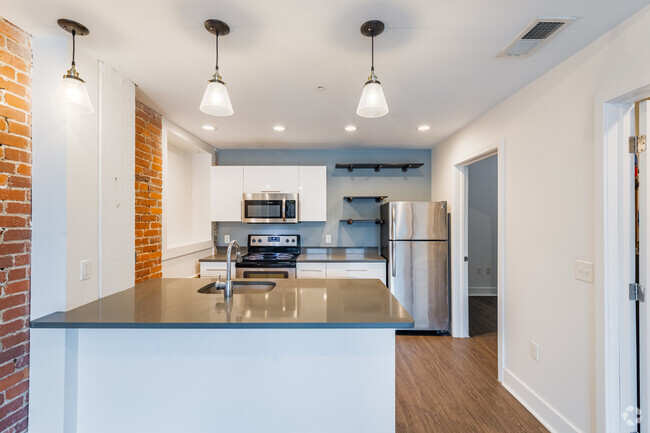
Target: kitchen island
306, 356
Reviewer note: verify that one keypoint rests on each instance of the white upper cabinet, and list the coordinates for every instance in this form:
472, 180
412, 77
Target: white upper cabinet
271, 179
229, 182
226, 190
312, 193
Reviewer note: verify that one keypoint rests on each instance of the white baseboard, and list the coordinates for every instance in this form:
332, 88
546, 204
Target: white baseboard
482, 291
540, 409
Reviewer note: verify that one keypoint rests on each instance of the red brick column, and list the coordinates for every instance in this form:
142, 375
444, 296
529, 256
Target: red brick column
15, 223
148, 193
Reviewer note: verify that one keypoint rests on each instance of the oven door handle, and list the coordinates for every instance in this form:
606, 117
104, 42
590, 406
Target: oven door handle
284, 209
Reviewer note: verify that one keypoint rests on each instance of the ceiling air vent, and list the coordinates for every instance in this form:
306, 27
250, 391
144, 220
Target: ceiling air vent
534, 36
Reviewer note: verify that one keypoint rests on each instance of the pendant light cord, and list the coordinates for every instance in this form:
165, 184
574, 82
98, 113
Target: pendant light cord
217, 48
74, 32
372, 68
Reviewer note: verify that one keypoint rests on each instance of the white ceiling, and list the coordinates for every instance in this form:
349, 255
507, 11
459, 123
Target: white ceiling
436, 60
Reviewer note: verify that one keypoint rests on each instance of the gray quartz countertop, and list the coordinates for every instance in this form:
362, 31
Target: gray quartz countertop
220, 255
340, 254
316, 254
292, 303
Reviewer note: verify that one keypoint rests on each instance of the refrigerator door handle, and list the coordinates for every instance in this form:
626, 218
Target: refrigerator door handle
392, 220
392, 259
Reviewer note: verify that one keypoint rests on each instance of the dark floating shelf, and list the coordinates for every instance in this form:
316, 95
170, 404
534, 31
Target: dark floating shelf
377, 198
351, 221
380, 166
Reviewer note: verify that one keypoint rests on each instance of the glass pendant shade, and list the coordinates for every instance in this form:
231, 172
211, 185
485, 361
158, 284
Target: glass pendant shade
372, 103
216, 101
72, 93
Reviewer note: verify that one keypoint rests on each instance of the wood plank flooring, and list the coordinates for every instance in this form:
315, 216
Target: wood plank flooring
447, 384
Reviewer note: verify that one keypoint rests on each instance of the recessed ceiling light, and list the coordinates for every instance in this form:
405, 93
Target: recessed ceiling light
423, 128
209, 127
351, 128
279, 128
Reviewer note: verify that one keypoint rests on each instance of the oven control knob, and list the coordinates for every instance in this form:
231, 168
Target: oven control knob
259, 240
286, 240
253, 240
293, 240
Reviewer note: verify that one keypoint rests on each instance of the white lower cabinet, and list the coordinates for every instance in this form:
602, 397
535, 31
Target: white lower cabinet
342, 270
216, 269
311, 270
357, 270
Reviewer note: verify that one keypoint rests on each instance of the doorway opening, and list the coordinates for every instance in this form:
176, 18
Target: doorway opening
460, 281
482, 229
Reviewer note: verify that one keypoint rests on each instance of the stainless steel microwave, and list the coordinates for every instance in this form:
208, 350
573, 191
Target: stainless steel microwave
267, 208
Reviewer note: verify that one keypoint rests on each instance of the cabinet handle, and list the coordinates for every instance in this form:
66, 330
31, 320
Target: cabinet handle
311, 270
269, 190
212, 269
356, 270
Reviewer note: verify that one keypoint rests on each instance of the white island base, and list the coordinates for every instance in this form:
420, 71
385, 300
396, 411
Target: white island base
212, 380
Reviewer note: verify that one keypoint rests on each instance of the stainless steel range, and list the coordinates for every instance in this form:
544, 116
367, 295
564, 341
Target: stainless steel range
270, 256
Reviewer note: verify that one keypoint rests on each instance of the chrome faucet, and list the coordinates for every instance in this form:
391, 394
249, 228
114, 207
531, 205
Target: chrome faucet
227, 292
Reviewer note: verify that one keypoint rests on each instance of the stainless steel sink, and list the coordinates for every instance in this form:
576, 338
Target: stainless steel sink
241, 287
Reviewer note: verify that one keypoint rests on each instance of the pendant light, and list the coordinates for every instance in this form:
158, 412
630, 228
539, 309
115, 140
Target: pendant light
372, 103
215, 99
72, 91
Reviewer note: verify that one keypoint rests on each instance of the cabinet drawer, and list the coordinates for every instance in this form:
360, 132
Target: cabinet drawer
215, 269
311, 270
357, 270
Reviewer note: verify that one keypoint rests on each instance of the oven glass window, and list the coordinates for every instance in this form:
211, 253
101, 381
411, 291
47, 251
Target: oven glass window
266, 274
263, 209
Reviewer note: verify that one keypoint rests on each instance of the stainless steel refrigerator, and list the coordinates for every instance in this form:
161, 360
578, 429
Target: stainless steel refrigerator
414, 240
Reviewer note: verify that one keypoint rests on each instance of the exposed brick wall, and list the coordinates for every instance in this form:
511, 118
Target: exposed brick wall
148, 193
15, 223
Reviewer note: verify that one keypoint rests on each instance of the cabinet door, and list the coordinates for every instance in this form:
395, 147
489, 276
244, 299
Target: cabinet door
226, 189
311, 270
216, 269
313, 193
271, 179
357, 270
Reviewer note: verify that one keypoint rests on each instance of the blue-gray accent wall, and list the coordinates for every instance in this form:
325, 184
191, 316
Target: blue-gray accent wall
414, 185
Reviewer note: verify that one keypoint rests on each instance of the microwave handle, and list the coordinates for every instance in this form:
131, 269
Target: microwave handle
268, 190
284, 209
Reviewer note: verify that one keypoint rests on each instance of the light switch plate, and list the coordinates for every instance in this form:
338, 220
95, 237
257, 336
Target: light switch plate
226, 239
584, 271
328, 239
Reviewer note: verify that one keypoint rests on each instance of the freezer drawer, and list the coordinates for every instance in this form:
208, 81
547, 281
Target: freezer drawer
417, 273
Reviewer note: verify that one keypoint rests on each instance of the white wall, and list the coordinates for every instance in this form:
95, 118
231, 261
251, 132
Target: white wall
548, 128
69, 194
187, 228
482, 227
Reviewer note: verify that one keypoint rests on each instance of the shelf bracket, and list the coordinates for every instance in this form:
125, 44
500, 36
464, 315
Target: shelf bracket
406, 168
378, 168
350, 168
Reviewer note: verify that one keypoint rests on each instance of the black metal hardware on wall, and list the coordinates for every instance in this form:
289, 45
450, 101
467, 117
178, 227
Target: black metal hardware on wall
377, 167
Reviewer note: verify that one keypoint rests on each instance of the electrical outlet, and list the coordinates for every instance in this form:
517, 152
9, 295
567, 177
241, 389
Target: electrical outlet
584, 271
534, 350
488, 270
226, 239
84, 270
328, 239
478, 271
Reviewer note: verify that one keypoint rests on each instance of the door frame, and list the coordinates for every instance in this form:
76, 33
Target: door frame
459, 250
614, 210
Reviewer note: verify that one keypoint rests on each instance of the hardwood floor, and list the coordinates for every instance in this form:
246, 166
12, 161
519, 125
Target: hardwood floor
482, 315
447, 384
